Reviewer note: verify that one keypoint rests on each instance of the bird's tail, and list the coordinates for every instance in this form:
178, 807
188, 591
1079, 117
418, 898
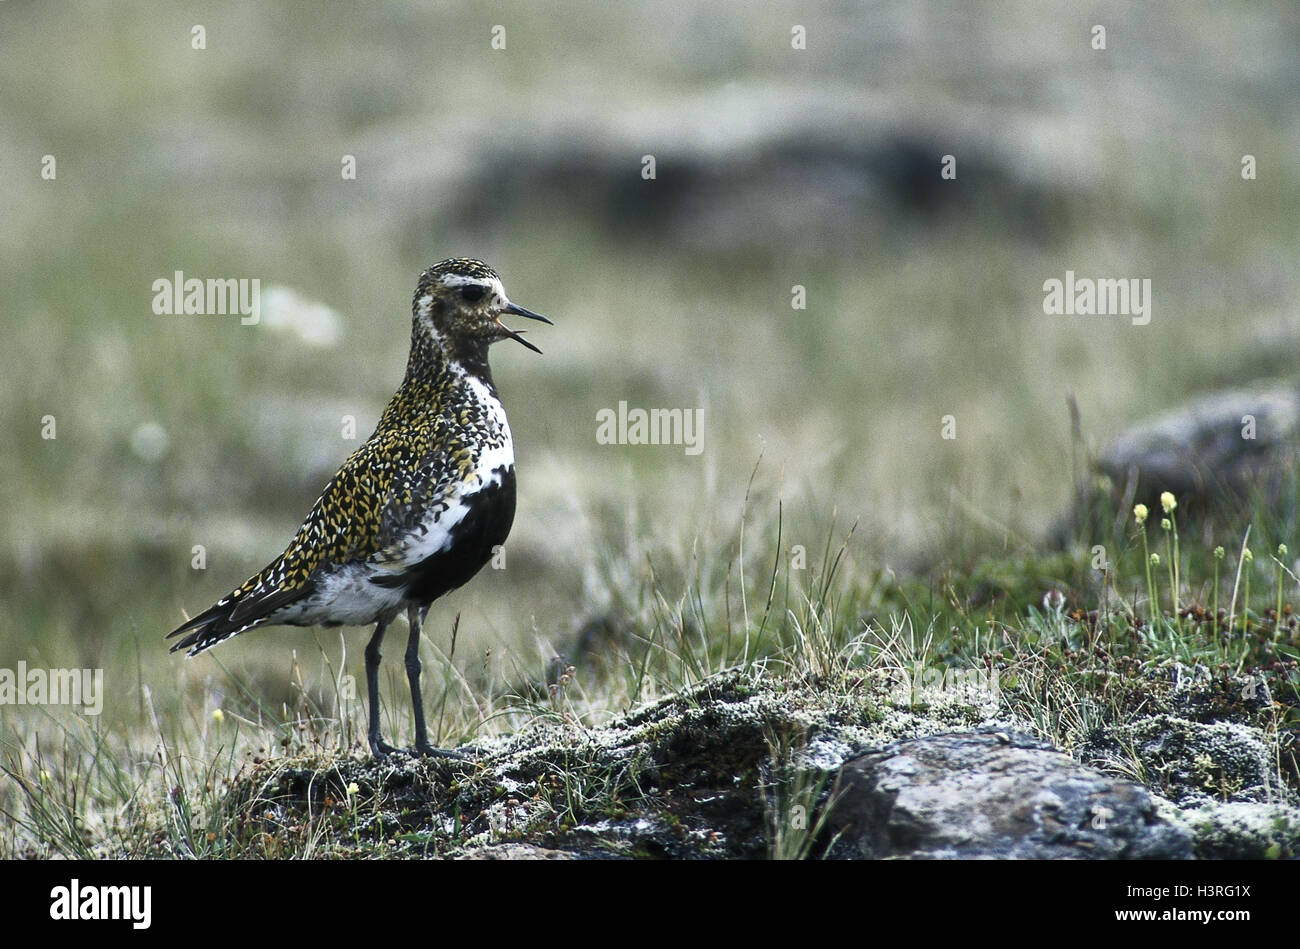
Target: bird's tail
237, 613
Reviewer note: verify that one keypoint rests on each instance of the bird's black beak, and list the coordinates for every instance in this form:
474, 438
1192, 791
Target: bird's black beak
517, 335
515, 310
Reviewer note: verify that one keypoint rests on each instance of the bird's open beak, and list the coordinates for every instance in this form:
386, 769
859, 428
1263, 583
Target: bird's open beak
518, 335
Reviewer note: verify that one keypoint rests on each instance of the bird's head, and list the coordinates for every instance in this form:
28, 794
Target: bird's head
459, 304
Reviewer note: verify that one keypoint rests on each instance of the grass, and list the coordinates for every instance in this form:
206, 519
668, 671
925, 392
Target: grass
676, 615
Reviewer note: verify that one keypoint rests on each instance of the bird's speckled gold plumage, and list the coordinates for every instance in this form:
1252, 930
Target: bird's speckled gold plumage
425, 455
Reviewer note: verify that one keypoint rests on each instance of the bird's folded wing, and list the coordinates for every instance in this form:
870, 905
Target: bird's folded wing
419, 512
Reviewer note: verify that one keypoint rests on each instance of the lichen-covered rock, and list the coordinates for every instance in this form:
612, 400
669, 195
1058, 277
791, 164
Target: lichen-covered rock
518, 851
992, 795
689, 775
1238, 830
744, 764
1192, 762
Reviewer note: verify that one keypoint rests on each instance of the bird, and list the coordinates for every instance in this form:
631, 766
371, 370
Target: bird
415, 511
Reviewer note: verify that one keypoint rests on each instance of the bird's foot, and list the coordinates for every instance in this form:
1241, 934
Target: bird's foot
429, 751
382, 749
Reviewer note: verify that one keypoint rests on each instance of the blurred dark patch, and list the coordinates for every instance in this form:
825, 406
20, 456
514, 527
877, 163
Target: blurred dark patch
603, 637
598, 650
752, 197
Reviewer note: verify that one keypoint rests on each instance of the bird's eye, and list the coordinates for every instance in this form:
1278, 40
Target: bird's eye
472, 293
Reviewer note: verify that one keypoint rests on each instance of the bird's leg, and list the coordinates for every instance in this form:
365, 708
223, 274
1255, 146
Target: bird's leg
378, 747
415, 617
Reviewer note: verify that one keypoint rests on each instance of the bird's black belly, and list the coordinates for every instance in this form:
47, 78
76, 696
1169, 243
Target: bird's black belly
486, 525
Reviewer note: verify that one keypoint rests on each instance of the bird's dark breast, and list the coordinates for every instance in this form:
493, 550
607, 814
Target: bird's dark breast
485, 526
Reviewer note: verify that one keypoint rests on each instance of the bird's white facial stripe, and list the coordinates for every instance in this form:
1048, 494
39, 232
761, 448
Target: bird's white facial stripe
460, 280
424, 313
495, 290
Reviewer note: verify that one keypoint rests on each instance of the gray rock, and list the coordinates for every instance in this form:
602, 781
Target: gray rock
1198, 451
992, 795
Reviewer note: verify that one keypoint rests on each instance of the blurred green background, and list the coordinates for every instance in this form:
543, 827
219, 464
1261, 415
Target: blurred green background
775, 167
